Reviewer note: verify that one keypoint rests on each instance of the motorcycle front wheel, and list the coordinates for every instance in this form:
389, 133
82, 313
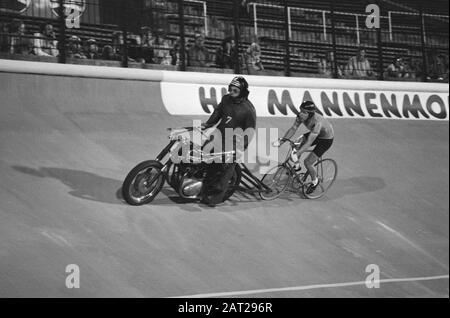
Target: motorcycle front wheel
143, 183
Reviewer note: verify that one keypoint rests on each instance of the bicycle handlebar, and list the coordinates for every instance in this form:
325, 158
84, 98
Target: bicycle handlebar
288, 140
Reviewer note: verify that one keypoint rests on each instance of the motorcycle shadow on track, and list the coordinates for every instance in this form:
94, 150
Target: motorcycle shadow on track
84, 185
90, 186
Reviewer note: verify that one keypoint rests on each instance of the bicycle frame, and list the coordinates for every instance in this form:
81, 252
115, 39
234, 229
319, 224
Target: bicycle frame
287, 162
302, 177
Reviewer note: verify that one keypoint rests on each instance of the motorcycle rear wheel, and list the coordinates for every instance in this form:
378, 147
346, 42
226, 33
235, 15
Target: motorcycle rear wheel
234, 183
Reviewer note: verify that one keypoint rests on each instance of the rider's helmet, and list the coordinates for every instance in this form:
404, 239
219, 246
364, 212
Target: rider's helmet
308, 107
242, 84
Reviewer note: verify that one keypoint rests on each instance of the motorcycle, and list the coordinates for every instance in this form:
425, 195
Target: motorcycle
190, 173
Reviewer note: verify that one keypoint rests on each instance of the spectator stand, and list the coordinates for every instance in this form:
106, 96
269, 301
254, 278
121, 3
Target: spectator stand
418, 36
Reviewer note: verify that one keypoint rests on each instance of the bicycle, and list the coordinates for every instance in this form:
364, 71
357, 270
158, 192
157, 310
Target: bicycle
284, 175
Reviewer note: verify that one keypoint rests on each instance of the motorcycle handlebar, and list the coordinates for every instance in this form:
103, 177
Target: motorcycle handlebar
190, 128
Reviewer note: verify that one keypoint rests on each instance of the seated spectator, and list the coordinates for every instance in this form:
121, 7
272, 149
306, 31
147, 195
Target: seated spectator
244, 9
415, 65
436, 69
254, 55
445, 61
45, 43
114, 51
359, 65
5, 40
147, 45
162, 50
398, 69
108, 54
327, 64
20, 43
175, 53
135, 48
92, 51
75, 49
226, 54
198, 54
117, 46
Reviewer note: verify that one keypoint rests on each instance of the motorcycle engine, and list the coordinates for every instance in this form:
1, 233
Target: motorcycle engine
190, 187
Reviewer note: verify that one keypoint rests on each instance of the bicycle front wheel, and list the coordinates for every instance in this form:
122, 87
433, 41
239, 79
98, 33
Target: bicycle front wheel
326, 172
277, 181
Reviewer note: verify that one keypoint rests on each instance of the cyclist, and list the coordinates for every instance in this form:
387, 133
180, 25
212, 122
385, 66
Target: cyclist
234, 111
320, 135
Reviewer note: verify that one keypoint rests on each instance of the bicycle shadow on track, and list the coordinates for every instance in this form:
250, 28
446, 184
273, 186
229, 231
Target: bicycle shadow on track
354, 186
293, 197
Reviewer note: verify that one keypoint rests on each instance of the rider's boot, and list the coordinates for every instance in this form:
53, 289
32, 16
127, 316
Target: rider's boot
312, 187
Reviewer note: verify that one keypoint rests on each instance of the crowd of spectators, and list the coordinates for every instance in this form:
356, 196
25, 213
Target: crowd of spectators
152, 47
145, 47
359, 66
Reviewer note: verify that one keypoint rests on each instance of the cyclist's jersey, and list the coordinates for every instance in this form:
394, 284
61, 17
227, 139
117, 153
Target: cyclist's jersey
233, 114
317, 124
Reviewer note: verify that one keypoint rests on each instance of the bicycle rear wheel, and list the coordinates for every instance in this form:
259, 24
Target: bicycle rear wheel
277, 180
326, 172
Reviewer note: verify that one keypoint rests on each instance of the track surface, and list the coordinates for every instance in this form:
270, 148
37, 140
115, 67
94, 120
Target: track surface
67, 143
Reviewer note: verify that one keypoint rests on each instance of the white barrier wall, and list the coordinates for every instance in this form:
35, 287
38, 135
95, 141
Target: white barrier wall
187, 93
198, 94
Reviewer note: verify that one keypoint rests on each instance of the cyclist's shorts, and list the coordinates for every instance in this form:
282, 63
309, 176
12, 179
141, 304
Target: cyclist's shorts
321, 145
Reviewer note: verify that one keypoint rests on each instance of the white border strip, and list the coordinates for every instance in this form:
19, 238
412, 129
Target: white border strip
55, 69
309, 287
27, 67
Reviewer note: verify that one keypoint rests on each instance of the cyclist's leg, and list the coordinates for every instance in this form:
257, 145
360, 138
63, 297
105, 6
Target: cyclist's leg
322, 146
299, 143
309, 162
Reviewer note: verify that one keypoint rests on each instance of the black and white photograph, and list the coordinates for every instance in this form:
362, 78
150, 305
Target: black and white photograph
235, 152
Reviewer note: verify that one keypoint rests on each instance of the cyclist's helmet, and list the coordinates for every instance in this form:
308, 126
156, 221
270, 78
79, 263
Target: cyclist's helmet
240, 83
308, 107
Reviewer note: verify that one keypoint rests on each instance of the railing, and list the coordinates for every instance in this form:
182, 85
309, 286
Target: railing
251, 37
